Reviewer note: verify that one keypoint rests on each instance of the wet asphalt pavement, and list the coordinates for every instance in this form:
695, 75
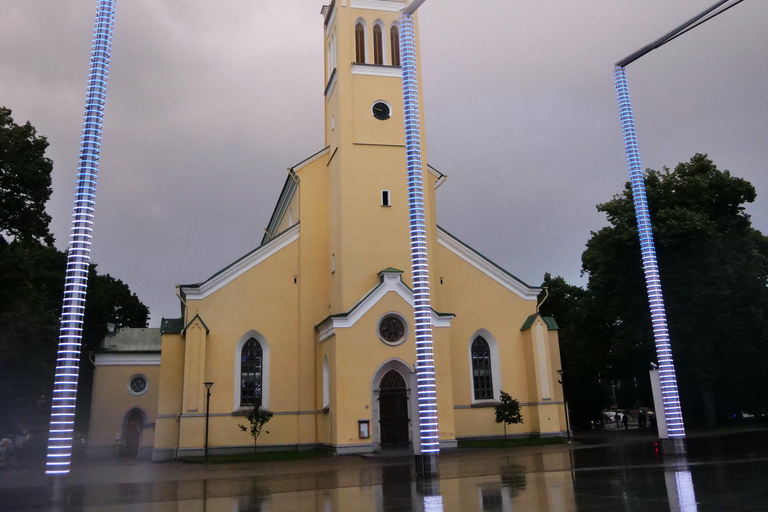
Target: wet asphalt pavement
615, 471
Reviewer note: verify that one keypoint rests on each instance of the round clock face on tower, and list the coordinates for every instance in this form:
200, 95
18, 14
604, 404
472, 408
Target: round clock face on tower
381, 111
392, 329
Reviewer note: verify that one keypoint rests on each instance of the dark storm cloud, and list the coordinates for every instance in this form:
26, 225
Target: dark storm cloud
210, 102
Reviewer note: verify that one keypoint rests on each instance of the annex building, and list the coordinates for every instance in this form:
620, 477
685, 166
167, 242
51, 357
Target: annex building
316, 324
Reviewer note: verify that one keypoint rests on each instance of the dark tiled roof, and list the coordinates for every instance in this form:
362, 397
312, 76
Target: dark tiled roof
132, 339
548, 320
171, 325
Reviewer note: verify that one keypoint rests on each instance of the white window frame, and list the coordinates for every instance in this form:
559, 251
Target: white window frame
326, 383
493, 346
264, 367
389, 198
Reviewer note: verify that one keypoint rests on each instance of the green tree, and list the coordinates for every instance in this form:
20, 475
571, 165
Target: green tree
714, 270
32, 275
25, 181
257, 418
508, 411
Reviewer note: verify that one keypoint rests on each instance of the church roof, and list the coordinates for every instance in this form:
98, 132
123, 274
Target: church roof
548, 320
131, 339
171, 325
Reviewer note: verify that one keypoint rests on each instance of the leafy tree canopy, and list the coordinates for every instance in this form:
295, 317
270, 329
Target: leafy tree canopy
32, 285
25, 181
714, 270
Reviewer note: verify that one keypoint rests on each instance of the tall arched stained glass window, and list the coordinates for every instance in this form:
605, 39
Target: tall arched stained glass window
250, 374
481, 369
359, 43
378, 45
394, 45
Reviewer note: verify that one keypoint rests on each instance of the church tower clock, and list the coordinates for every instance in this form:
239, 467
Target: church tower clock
364, 130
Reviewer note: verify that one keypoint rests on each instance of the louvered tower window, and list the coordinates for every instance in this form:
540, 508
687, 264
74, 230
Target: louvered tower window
378, 45
359, 43
394, 38
481, 369
250, 374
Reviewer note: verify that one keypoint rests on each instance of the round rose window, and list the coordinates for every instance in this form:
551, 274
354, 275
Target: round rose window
138, 385
392, 329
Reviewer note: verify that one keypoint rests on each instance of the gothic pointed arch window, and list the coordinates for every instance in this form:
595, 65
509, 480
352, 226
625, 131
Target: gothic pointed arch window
393, 380
359, 43
481, 369
251, 370
378, 45
394, 40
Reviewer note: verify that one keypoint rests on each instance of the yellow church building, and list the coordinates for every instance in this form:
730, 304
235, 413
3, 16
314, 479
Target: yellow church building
316, 324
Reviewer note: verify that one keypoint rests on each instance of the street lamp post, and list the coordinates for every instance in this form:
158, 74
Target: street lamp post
565, 405
207, 415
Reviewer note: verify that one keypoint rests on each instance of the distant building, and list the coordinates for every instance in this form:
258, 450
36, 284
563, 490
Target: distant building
125, 389
316, 324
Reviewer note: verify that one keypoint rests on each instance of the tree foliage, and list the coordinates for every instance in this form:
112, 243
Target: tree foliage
32, 275
25, 181
714, 272
508, 411
257, 418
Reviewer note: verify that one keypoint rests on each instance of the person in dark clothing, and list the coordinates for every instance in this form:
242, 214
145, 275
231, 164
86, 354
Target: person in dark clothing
625, 420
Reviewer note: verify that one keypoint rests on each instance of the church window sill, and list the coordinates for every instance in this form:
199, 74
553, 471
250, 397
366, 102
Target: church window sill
488, 403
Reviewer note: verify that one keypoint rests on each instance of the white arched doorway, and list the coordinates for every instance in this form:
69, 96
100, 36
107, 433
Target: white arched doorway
391, 406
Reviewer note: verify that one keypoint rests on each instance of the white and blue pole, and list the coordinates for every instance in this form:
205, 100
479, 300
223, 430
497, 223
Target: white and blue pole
79, 254
429, 433
670, 395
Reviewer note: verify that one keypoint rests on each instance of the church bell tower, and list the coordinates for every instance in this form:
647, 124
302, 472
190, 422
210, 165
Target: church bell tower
364, 129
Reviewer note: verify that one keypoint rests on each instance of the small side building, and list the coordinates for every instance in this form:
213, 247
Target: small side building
125, 390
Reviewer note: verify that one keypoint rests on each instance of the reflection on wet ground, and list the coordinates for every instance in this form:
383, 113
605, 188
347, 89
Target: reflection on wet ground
720, 474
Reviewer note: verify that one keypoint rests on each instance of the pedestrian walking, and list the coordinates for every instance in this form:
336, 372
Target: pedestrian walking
625, 420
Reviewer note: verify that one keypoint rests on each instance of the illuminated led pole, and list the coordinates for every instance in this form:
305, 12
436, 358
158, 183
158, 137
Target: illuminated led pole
79, 254
669, 392
425, 364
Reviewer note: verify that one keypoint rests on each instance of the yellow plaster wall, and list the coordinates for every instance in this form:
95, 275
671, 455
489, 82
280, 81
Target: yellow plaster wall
314, 283
170, 392
480, 302
111, 401
370, 158
263, 299
360, 353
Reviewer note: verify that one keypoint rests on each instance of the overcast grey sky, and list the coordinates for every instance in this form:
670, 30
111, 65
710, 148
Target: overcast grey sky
210, 102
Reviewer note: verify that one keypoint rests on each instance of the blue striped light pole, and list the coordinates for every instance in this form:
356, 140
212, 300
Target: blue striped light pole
79, 254
429, 434
671, 398
668, 380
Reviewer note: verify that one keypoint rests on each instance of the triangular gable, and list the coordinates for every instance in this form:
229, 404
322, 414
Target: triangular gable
239, 267
390, 281
486, 266
196, 317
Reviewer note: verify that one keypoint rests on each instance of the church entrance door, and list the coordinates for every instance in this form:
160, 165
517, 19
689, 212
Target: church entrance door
134, 425
393, 411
